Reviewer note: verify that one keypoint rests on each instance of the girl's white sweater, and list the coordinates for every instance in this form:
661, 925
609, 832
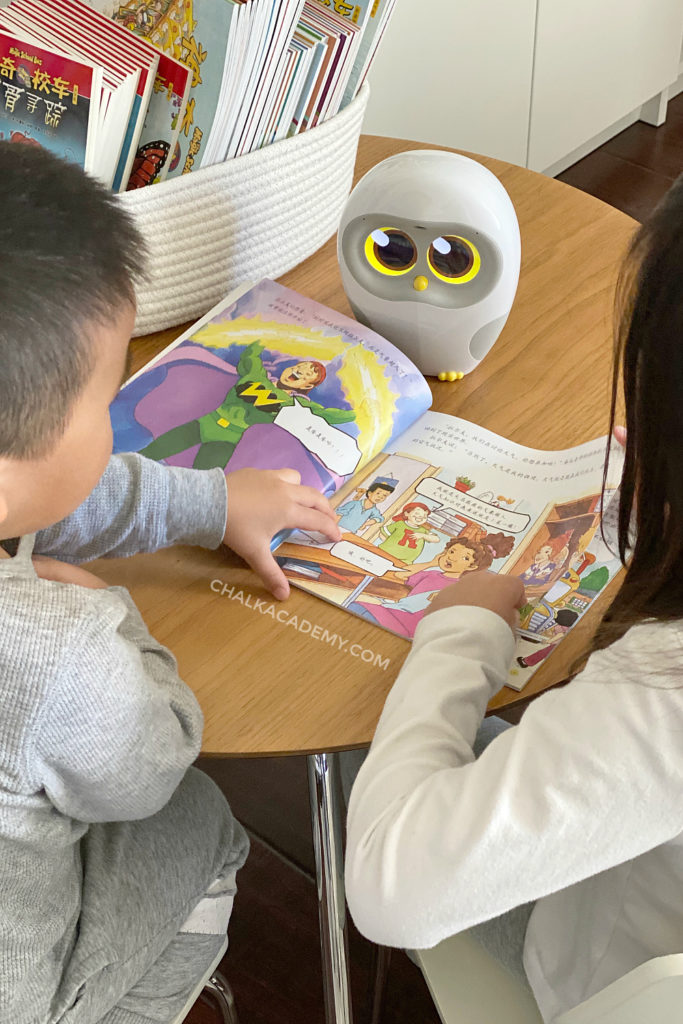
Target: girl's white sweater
579, 807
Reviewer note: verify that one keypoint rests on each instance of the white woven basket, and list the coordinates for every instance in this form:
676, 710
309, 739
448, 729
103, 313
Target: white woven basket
255, 216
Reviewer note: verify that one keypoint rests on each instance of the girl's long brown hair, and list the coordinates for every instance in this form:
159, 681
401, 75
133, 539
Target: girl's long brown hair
649, 364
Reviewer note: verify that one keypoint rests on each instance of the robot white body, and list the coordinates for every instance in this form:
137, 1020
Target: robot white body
429, 251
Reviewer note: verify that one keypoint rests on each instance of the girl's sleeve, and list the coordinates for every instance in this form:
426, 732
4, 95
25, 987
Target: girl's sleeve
141, 505
591, 777
119, 728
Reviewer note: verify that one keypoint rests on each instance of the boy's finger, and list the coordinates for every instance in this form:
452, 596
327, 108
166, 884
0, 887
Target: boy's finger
265, 566
310, 519
314, 499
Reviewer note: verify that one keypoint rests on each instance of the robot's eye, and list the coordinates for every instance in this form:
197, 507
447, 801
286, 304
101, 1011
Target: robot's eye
453, 259
390, 251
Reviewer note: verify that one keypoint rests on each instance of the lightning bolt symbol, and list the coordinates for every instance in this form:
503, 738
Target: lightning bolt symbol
261, 393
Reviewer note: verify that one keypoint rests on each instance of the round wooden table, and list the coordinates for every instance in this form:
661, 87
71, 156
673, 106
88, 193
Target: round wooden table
269, 689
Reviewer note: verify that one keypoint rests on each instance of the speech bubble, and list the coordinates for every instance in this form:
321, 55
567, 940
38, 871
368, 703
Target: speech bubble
363, 559
337, 450
467, 505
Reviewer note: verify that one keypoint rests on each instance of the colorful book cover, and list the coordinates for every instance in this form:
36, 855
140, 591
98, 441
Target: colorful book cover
448, 498
271, 380
162, 125
77, 24
196, 33
48, 100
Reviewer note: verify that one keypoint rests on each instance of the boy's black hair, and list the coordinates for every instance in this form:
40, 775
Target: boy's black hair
378, 484
70, 258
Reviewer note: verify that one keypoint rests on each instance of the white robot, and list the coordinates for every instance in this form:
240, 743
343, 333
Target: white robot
429, 252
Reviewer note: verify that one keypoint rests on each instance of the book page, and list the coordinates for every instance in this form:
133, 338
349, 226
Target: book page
270, 379
447, 498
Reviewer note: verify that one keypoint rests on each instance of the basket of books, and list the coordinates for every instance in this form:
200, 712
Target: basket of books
227, 129
255, 216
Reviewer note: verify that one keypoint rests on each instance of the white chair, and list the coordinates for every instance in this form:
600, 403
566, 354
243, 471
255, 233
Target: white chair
469, 987
213, 982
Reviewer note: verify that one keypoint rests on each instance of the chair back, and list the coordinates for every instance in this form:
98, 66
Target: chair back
649, 994
469, 986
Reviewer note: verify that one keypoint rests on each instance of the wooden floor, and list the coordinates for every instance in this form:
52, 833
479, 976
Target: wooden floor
273, 964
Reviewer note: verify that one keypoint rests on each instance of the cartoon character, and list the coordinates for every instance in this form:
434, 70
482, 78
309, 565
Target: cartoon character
254, 398
458, 557
356, 514
542, 566
406, 535
429, 252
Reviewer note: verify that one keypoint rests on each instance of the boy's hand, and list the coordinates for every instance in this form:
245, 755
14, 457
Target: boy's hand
503, 595
61, 572
261, 503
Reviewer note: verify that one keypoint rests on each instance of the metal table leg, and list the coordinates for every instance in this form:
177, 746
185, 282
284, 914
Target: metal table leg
324, 791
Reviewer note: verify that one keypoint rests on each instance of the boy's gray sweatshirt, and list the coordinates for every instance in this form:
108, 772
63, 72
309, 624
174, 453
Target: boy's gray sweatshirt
95, 724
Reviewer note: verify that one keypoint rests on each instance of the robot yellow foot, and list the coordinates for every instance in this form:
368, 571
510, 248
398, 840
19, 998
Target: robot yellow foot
450, 375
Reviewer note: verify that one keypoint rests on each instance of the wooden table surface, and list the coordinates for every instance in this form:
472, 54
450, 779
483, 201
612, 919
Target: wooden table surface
270, 686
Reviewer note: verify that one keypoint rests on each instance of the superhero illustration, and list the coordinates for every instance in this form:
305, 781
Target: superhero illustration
253, 399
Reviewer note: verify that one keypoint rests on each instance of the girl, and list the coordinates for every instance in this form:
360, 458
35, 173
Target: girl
405, 536
568, 829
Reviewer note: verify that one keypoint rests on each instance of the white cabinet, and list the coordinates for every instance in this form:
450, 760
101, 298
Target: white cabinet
534, 82
456, 72
596, 61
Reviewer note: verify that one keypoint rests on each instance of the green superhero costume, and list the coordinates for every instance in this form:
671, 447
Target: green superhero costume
252, 399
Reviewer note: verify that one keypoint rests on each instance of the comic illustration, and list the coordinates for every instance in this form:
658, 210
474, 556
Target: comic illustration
269, 380
448, 499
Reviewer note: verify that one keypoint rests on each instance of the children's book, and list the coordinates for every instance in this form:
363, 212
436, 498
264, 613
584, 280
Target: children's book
374, 16
340, 37
448, 497
48, 99
118, 90
161, 129
197, 33
74, 24
270, 379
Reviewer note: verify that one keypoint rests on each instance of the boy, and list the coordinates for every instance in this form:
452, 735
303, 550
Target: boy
117, 863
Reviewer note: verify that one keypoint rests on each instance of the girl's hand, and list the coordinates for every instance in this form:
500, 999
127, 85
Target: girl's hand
620, 436
503, 595
262, 503
61, 572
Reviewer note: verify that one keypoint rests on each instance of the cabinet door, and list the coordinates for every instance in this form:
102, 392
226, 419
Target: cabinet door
595, 62
457, 73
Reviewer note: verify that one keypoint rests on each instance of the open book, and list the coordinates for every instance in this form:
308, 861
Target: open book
271, 379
